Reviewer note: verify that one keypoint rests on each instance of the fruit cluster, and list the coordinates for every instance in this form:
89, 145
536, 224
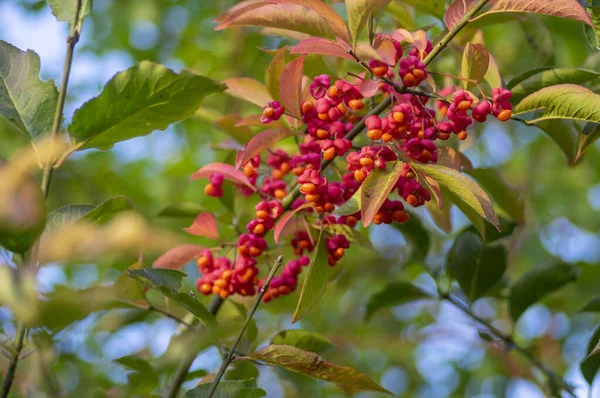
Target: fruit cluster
406, 133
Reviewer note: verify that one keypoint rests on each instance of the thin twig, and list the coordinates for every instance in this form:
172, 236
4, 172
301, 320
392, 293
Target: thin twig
510, 343
231, 354
46, 177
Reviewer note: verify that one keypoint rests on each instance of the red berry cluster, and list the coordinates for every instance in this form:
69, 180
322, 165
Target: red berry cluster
410, 128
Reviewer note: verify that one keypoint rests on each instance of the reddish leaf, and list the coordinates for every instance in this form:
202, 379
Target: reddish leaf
386, 50
261, 141
368, 88
559, 8
317, 45
417, 38
228, 171
310, 364
313, 17
236, 7
248, 90
252, 120
204, 225
365, 52
291, 86
290, 34
448, 157
375, 189
285, 219
178, 256
273, 73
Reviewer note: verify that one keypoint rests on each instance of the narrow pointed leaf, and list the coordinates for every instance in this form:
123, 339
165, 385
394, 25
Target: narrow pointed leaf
144, 98
562, 101
315, 283
527, 84
26, 101
464, 191
318, 45
393, 294
273, 74
185, 209
475, 63
352, 205
204, 225
265, 140
282, 222
291, 86
107, 210
228, 389
375, 189
310, 364
538, 283
591, 363
312, 17
178, 256
169, 279
592, 306
359, 12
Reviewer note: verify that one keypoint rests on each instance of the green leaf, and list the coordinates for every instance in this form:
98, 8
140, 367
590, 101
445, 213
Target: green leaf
359, 12
168, 281
529, 83
590, 365
310, 364
595, 16
464, 192
538, 283
228, 389
491, 234
395, 293
64, 10
195, 307
352, 234
144, 98
304, 340
475, 63
273, 74
185, 209
315, 283
571, 139
352, 205
592, 306
66, 215
127, 288
107, 210
417, 237
135, 363
563, 101
27, 102
506, 197
476, 267
376, 188
431, 7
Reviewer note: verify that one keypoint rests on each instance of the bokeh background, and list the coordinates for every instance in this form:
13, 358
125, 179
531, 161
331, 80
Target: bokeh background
415, 350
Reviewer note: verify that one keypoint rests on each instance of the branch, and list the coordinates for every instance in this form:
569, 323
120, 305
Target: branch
294, 193
231, 354
46, 177
509, 342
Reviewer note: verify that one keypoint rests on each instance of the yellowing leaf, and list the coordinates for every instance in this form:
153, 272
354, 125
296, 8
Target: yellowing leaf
475, 63
375, 189
359, 12
249, 90
310, 364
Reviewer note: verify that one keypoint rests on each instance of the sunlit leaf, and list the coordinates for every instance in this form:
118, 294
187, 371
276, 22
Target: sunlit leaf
393, 294
170, 279
538, 283
178, 256
64, 10
27, 102
282, 222
315, 283
249, 90
475, 63
291, 86
352, 205
375, 189
492, 76
527, 84
273, 74
265, 140
559, 8
318, 45
204, 225
476, 267
313, 17
465, 193
304, 340
229, 124
310, 364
